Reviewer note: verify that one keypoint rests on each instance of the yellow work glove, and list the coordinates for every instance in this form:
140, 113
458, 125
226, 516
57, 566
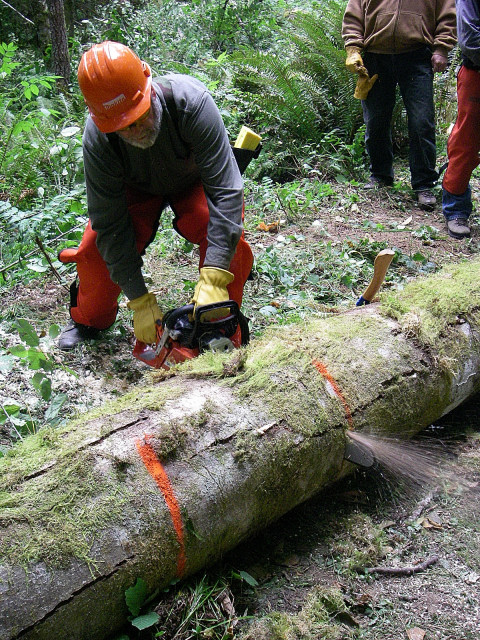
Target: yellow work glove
364, 84
145, 313
212, 287
354, 61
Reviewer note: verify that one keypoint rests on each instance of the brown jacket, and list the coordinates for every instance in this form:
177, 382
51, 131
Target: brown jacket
398, 26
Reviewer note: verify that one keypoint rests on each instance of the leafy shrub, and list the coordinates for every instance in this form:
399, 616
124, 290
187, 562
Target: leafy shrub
33, 353
59, 221
21, 111
40, 164
306, 92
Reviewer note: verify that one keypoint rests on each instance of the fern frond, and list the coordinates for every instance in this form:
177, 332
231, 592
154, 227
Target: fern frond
308, 88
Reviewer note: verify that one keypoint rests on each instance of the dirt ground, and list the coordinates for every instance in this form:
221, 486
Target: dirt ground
392, 215
367, 520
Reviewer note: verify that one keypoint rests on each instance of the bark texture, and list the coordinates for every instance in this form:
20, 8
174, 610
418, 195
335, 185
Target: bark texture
58, 33
177, 473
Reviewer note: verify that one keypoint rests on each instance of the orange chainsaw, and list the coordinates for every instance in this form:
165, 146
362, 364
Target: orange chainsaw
184, 333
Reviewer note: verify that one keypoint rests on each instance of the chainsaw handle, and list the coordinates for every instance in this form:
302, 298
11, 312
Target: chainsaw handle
229, 305
189, 321
171, 317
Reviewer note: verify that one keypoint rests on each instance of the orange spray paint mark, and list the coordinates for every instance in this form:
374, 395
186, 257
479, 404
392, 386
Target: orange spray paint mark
158, 473
322, 369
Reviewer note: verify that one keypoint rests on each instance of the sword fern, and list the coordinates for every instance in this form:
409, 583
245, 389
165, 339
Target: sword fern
303, 87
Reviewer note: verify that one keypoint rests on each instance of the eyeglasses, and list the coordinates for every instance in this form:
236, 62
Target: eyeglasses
137, 122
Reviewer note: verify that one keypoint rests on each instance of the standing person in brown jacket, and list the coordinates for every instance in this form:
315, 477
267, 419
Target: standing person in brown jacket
404, 42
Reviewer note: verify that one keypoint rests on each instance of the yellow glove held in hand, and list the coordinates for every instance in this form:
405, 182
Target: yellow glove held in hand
145, 312
364, 84
354, 61
212, 287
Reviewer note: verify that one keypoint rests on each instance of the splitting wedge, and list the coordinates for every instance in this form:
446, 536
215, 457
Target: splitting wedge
380, 266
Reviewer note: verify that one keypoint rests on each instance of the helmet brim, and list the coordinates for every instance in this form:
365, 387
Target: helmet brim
120, 121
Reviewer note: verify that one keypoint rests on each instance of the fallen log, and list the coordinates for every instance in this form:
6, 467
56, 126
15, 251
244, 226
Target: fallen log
175, 474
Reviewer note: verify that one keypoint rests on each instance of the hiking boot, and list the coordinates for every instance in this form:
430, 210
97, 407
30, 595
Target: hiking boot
426, 199
458, 228
375, 182
74, 334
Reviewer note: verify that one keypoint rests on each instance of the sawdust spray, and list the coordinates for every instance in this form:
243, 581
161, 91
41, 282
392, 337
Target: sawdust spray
411, 465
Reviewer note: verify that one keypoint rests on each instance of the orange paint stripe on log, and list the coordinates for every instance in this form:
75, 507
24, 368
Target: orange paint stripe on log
158, 473
322, 369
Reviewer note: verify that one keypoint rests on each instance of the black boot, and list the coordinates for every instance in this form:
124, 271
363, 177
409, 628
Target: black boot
458, 228
426, 199
74, 334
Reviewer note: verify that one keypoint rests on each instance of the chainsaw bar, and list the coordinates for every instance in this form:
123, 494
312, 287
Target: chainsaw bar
184, 333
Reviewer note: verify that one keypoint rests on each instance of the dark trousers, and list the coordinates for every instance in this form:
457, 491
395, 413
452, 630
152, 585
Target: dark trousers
413, 73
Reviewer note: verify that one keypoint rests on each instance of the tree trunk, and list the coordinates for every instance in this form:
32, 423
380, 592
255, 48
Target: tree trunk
58, 32
177, 473
42, 24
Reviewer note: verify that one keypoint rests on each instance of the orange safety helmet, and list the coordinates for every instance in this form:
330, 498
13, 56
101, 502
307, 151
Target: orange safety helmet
116, 85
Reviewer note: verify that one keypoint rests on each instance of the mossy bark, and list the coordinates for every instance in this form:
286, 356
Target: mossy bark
234, 443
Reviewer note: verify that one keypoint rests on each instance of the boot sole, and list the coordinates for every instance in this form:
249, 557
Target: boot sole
427, 207
458, 236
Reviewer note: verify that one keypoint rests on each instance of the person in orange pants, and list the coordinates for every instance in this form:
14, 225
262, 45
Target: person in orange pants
93, 300
149, 143
462, 149
463, 144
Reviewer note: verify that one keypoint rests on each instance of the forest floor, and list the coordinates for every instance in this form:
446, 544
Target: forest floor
326, 546
292, 572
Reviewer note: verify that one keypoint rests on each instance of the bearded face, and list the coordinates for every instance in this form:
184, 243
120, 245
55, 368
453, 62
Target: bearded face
144, 131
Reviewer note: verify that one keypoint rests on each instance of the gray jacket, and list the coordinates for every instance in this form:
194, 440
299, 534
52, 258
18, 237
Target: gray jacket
468, 25
194, 148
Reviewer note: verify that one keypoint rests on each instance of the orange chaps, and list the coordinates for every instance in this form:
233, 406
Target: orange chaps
94, 301
464, 141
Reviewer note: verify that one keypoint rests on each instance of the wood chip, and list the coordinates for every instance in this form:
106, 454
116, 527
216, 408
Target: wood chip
261, 430
415, 633
431, 522
405, 223
271, 227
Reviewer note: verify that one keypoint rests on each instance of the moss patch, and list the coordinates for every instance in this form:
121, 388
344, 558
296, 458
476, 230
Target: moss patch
50, 445
281, 371
429, 308
57, 515
359, 541
54, 498
317, 619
